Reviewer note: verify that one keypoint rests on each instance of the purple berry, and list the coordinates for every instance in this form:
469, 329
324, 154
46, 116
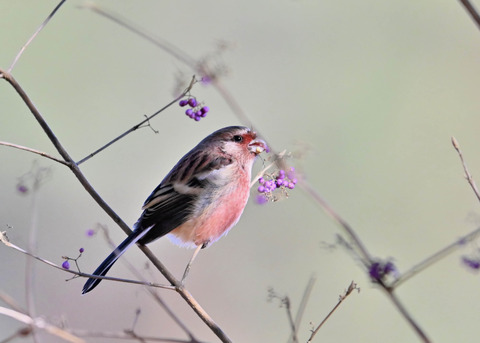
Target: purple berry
66, 265
81, 250
183, 103
261, 189
22, 189
205, 109
189, 113
261, 180
90, 232
192, 102
261, 199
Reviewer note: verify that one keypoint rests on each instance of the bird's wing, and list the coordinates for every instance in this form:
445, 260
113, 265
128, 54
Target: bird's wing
174, 201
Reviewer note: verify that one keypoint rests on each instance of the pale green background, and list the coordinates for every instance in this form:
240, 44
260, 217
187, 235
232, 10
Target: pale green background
371, 91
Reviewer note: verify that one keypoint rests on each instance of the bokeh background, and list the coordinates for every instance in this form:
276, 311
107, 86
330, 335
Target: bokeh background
368, 92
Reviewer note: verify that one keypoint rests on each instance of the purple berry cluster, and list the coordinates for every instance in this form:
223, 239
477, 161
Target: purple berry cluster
66, 263
270, 183
196, 111
380, 270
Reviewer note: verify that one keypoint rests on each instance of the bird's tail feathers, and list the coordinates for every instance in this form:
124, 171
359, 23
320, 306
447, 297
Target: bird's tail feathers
105, 266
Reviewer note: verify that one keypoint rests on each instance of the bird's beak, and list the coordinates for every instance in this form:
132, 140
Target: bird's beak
257, 146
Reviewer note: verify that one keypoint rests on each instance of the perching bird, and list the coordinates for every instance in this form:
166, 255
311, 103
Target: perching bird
200, 199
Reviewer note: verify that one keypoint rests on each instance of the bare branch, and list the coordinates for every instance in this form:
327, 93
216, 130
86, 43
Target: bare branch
436, 257
41, 153
40, 323
348, 291
139, 125
471, 10
40, 28
4, 239
468, 176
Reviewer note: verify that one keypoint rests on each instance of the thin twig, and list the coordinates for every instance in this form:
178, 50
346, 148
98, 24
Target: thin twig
4, 239
132, 27
407, 315
362, 250
40, 323
139, 125
41, 153
303, 304
435, 257
468, 176
471, 10
129, 335
348, 291
40, 28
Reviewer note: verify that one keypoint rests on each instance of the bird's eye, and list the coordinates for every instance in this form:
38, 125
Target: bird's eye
237, 138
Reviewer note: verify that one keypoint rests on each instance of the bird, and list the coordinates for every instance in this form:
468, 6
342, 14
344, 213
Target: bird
200, 199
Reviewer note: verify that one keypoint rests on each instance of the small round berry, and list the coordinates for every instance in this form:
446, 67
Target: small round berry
66, 265
22, 189
81, 250
261, 189
291, 185
205, 109
192, 102
261, 199
90, 232
189, 113
183, 103
261, 180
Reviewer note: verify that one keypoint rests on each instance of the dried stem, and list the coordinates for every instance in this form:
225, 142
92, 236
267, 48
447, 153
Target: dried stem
342, 297
468, 176
139, 125
41, 153
4, 240
40, 323
471, 10
436, 257
40, 28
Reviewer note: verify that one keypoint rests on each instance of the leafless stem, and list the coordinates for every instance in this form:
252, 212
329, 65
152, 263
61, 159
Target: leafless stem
139, 125
471, 10
436, 257
40, 28
357, 243
303, 305
406, 315
468, 176
129, 335
342, 297
41, 153
4, 240
40, 323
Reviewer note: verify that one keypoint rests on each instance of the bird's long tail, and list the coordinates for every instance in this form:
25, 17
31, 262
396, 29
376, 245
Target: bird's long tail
112, 258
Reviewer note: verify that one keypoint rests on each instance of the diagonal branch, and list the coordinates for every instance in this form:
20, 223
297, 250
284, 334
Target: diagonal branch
137, 126
40, 28
471, 10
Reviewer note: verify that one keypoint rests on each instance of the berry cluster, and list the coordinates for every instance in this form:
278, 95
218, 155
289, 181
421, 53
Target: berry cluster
66, 263
380, 270
196, 111
270, 183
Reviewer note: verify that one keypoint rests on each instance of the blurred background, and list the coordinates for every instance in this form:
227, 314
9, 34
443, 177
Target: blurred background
368, 94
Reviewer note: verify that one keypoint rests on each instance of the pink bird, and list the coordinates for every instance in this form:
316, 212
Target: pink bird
200, 199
